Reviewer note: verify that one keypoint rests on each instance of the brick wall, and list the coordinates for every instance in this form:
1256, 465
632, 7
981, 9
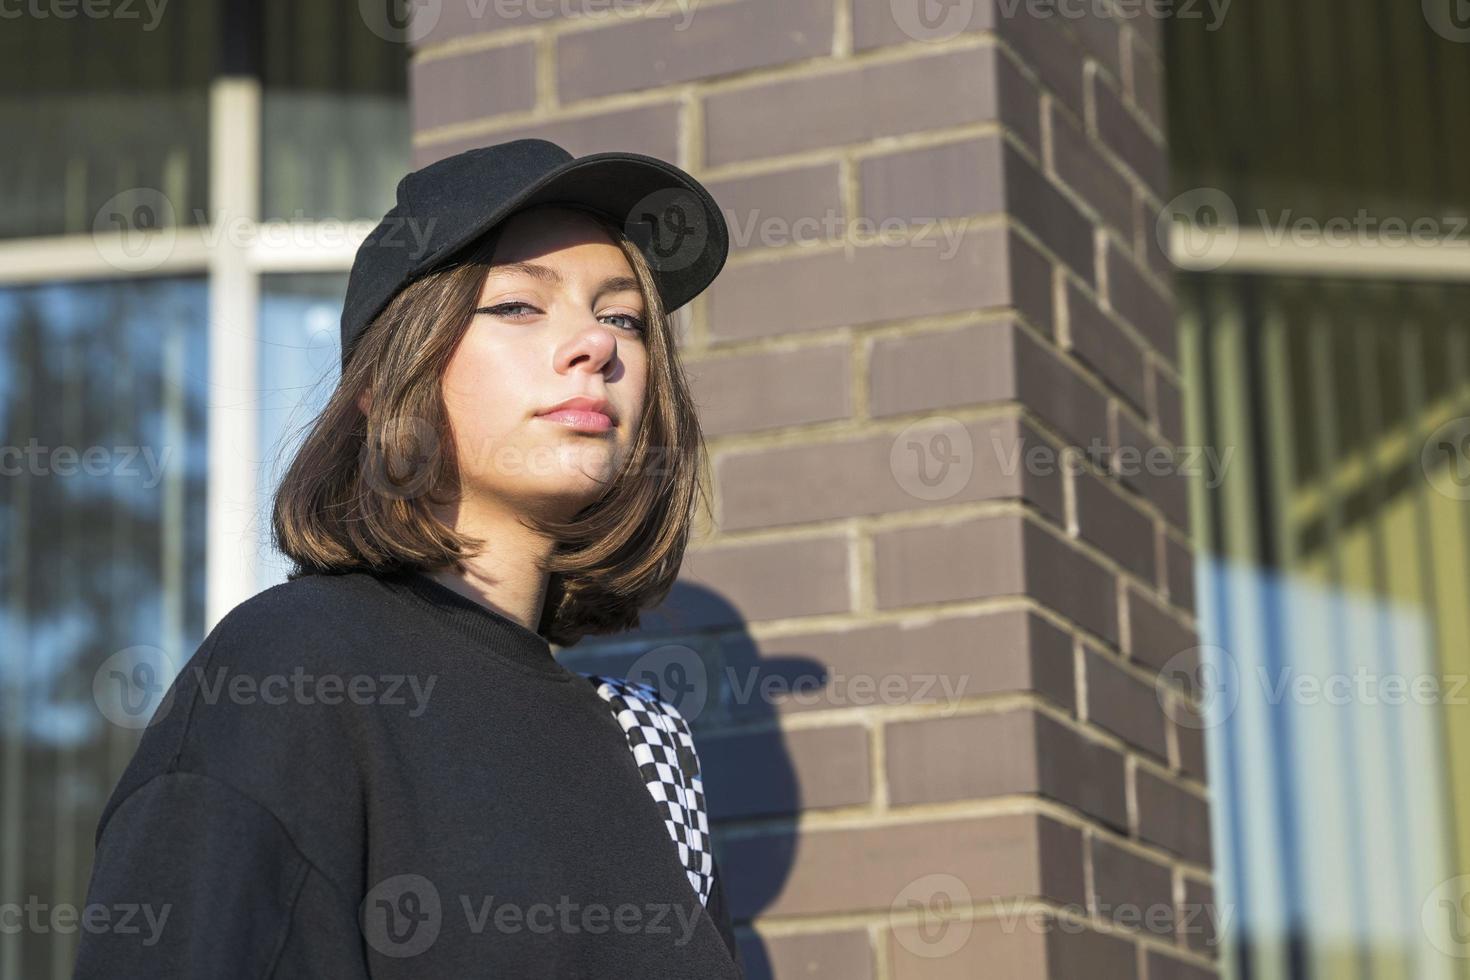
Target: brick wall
886, 414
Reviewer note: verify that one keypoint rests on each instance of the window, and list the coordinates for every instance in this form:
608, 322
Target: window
104, 400
1329, 352
183, 197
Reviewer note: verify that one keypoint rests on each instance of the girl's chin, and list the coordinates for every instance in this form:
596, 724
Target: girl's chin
573, 491
561, 475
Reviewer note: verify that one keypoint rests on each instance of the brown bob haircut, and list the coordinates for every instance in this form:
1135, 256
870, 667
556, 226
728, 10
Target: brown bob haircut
359, 493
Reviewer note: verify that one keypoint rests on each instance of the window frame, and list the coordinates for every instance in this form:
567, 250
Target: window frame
232, 255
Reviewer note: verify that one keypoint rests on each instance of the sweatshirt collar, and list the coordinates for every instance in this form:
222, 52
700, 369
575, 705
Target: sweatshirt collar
495, 632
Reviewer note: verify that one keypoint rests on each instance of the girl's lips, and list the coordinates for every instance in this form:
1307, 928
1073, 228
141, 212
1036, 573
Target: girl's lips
576, 418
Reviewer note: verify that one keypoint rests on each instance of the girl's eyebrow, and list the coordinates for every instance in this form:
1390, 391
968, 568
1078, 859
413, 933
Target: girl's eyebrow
545, 273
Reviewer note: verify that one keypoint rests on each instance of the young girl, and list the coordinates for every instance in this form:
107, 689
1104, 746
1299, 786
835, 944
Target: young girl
378, 768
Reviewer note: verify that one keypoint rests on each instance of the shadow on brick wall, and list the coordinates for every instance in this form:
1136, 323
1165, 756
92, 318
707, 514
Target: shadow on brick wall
696, 649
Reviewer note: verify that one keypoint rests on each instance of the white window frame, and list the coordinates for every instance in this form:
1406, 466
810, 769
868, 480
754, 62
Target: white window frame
1235, 249
232, 264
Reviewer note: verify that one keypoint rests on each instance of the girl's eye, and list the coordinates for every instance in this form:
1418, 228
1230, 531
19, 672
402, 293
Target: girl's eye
500, 309
633, 323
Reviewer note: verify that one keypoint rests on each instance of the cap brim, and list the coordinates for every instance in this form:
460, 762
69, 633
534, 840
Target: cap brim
675, 222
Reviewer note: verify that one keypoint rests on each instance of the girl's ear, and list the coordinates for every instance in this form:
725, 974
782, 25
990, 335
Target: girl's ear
364, 400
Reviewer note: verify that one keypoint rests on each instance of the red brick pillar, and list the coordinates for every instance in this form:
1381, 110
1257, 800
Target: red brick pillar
944, 274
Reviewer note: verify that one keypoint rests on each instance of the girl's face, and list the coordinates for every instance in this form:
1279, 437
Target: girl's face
560, 317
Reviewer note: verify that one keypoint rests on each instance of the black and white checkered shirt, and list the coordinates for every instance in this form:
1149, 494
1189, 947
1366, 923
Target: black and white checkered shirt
663, 747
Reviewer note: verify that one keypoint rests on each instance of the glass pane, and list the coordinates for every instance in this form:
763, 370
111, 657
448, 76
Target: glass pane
92, 107
1315, 109
300, 344
336, 135
1333, 565
104, 401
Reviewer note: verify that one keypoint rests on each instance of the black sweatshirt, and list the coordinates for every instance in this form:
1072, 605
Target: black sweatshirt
371, 775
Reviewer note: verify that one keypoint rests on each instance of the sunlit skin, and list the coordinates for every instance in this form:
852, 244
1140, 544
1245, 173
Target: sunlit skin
559, 315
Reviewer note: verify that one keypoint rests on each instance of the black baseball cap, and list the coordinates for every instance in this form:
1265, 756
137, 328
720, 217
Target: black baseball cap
447, 205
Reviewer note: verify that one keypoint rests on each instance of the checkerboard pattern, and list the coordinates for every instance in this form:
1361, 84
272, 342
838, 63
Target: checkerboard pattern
664, 750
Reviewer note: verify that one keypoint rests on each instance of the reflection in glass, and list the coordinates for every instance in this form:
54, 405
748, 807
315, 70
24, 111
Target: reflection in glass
92, 107
1333, 570
335, 127
299, 364
1316, 109
104, 403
